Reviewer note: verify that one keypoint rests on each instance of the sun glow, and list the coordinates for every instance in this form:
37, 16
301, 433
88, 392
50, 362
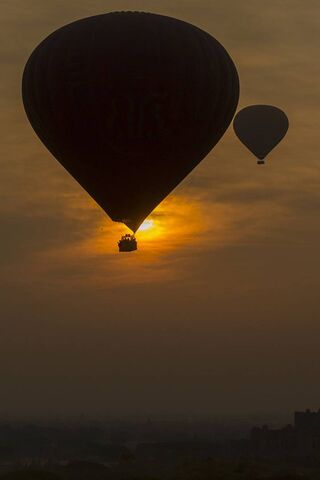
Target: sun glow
170, 224
180, 224
146, 225
174, 224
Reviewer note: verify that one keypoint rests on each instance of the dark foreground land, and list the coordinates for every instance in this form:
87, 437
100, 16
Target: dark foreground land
171, 450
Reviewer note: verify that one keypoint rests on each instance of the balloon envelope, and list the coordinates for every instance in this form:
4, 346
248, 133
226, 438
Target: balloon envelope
260, 128
129, 103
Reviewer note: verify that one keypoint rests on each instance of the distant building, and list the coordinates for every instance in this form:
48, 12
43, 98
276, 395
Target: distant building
299, 443
307, 421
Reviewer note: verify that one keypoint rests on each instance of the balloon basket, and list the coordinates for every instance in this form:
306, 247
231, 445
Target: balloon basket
261, 162
127, 243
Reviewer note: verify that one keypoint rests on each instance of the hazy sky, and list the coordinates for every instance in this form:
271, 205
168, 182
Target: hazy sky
219, 309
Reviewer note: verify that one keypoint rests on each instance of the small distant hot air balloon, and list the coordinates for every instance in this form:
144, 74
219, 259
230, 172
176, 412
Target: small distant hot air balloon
260, 128
129, 103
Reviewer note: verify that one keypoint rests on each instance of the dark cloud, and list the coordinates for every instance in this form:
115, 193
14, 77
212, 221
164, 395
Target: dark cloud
24, 236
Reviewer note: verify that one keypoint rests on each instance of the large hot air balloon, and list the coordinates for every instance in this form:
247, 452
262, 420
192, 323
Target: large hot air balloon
129, 103
260, 128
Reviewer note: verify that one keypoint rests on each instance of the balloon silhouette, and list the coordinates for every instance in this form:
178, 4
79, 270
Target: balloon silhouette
129, 103
260, 128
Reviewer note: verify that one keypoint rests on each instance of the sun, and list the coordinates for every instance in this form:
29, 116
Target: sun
146, 225
149, 230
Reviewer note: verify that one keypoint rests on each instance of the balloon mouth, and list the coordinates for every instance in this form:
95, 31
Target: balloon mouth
132, 225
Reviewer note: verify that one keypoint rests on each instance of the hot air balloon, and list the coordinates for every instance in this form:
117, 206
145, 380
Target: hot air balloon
260, 128
129, 103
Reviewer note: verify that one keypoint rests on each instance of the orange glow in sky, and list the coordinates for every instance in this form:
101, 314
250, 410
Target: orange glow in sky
146, 225
177, 222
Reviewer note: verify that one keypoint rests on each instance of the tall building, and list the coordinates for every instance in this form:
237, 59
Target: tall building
307, 421
298, 443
